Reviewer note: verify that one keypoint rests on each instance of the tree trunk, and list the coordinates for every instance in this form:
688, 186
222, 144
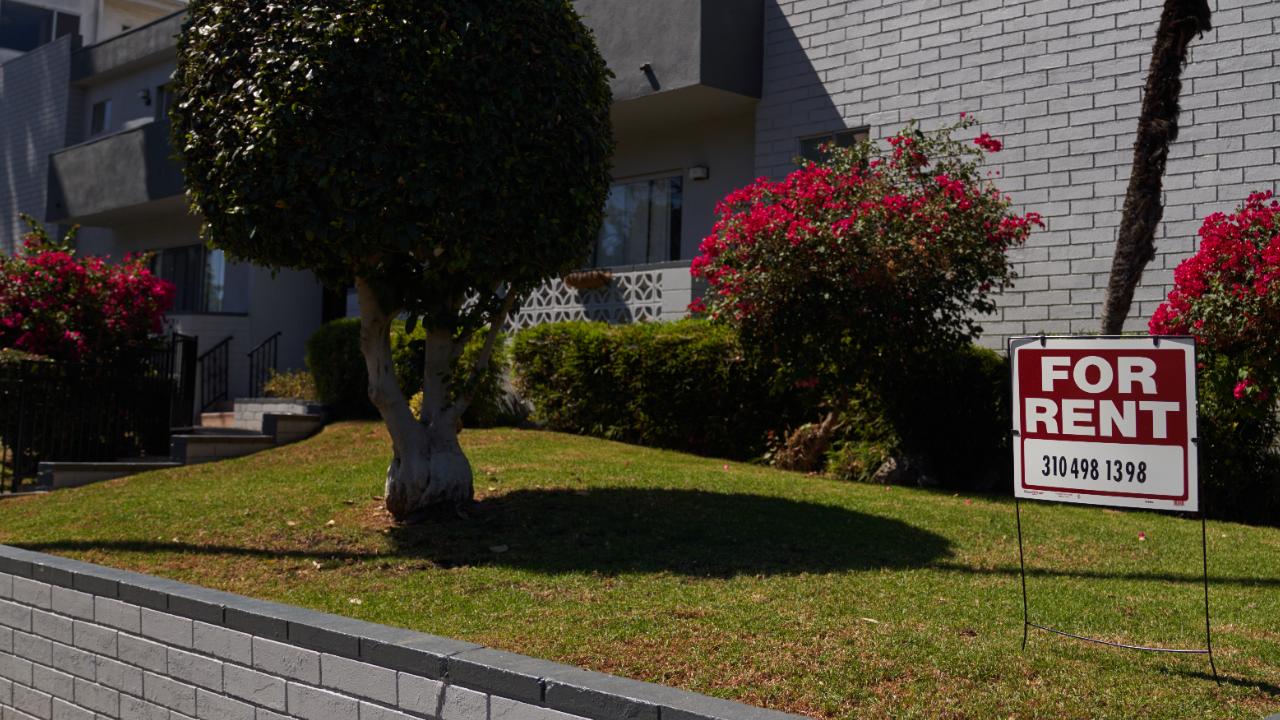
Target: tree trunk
1157, 127
428, 467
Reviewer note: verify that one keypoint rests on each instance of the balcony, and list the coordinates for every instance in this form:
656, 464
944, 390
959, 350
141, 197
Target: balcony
679, 61
128, 176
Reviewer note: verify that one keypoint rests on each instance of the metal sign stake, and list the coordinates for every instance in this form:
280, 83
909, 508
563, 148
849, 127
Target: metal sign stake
1055, 369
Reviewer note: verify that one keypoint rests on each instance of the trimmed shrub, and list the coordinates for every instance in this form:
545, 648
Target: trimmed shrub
683, 385
342, 380
338, 369
952, 405
295, 384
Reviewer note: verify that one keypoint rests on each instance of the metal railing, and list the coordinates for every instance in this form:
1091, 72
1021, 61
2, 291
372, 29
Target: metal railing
262, 361
12, 467
85, 412
214, 374
184, 394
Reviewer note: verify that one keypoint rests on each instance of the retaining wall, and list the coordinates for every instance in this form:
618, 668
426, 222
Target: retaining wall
84, 642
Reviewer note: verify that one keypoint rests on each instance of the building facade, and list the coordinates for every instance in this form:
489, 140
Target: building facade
1059, 83
708, 96
85, 134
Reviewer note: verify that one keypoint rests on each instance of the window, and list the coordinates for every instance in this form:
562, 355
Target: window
101, 118
205, 281
164, 100
811, 148
26, 27
641, 223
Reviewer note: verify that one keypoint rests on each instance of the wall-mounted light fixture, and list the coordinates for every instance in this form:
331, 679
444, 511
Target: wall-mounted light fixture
145, 96
646, 68
699, 172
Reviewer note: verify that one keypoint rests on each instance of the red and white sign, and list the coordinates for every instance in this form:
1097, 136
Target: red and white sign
1106, 421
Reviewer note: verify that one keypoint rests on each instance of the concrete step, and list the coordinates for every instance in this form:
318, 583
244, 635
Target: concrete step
290, 427
218, 419
58, 475
208, 446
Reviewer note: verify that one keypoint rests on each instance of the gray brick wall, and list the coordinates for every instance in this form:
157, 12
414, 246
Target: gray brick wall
83, 641
33, 120
1061, 86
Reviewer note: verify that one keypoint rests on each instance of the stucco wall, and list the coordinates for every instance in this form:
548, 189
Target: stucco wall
1061, 86
84, 641
33, 116
724, 145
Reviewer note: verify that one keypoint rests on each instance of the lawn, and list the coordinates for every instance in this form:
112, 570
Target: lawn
827, 599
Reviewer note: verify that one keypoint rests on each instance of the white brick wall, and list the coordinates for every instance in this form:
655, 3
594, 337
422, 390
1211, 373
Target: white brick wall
33, 119
1061, 85
69, 654
83, 641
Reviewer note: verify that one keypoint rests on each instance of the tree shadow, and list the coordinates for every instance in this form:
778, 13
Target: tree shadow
685, 532
621, 530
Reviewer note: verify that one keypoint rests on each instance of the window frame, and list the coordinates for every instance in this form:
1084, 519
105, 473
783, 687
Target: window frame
674, 238
833, 136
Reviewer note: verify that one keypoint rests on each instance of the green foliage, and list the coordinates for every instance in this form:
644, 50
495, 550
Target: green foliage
490, 406
342, 379
1228, 296
440, 150
338, 369
848, 267
951, 404
684, 385
295, 384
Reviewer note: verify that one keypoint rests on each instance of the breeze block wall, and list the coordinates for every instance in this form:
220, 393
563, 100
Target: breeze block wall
84, 642
1060, 83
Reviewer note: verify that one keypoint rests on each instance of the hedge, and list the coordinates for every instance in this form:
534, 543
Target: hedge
681, 385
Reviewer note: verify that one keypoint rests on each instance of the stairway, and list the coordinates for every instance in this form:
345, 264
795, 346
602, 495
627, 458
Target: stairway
191, 447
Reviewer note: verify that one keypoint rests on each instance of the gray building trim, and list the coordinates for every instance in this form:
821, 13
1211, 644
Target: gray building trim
663, 45
111, 173
140, 47
199, 647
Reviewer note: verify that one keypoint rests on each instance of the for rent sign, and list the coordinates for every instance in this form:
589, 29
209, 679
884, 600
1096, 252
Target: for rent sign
1106, 421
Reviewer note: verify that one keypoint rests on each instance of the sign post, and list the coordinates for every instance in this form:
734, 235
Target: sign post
1111, 421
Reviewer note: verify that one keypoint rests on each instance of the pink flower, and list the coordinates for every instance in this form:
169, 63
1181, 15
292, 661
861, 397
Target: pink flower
1142, 536
988, 143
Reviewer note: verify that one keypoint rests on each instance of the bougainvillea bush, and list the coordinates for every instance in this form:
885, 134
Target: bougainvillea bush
851, 264
56, 305
1228, 296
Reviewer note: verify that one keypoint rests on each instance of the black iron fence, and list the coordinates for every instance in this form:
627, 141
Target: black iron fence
214, 373
262, 360
86, 412
184, 373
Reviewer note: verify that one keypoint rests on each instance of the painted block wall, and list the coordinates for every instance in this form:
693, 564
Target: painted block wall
33, 118
84, 641
1061, 84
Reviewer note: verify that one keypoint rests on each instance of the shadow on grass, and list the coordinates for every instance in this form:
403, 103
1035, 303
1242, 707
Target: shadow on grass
622, 530
1190, 578
1236, 680
687, 532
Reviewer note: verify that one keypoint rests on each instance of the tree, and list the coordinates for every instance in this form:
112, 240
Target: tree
1157, 128
445, 156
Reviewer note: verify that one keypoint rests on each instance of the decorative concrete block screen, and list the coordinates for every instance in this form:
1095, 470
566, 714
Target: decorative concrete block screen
80, 641
656, 292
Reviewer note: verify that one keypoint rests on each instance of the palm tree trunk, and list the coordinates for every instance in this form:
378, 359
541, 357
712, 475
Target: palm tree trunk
1157, 128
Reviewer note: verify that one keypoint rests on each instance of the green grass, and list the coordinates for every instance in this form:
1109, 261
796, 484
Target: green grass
797, 593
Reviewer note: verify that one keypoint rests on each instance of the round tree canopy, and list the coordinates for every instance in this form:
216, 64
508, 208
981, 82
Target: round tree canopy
439, 149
